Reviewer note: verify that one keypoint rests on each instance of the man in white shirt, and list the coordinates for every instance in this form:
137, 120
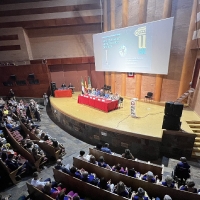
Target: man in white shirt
36, 181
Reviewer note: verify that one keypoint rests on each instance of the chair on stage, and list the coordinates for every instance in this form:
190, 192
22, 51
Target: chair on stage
149, 96
120, 103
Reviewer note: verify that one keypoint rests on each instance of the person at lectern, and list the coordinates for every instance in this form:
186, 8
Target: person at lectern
70, 86
63, 86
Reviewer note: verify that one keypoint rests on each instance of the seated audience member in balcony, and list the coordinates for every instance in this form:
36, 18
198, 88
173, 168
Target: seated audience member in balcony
93, 160
72, 171
149, 177
102, 163
189, 186
119, 169
89, 178
121, 190
169, 182
12, 126
106, 149
36, 181
52, 191
81, 156
128, 154
133, 173
106, 185
140, 194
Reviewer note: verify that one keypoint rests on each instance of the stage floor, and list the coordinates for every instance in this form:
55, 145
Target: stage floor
147, 125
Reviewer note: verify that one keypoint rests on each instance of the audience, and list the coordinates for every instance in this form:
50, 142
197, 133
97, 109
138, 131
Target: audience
149, 176
140, 194
102, 163
81, 155
189, 186
121, 190
169, 182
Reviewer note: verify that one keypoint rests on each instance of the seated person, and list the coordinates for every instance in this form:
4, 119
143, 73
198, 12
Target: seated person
99, 146
133, 173
70, 86
107, 95
59, 165
63, 85
52, 191
140, 194
119, 169
106, 149
97, 92
167, 197
128, 154
13, 164
93, 160
182, 169
106, 185
189, 186
102, 163
149, 177
101, 94
88, 178
121, 190
58, 147
81, 156
39, 154
71, 171
169, 182
70, 196
36, 181
4, 155
93, 92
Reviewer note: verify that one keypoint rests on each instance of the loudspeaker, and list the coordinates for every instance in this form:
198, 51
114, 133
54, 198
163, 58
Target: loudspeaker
174, 109
31, 76
171, 122
53, 88
169, 108
178, 109
13, 77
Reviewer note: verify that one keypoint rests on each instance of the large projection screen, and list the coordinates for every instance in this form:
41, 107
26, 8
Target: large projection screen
143, 48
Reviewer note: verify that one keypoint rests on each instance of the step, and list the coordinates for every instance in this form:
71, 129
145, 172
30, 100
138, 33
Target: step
196, 149
195, 155
197, 139
196, 144
193, 122
197, 132
194, 126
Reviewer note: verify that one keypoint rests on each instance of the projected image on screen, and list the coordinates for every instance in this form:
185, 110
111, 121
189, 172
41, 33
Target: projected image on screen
143, 48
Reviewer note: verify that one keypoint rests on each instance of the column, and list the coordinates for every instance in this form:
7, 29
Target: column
105, 28
189, 57
141, 19
167, 8
124, 24
112, 15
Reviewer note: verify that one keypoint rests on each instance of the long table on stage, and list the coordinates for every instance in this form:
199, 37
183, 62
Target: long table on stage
63, 93
98, 103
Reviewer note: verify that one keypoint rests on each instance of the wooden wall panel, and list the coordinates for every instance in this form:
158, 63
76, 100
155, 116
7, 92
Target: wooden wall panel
8, 37
10, 48
41, 73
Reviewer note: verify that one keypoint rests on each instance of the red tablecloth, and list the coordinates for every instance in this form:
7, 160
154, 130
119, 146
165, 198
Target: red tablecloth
63, 93
99, 103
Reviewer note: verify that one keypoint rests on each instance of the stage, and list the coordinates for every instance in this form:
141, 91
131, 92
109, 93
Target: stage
144, 132
148, 124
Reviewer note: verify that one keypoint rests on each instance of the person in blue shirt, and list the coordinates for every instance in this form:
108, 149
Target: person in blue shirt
102, 163
169, 182
106, 149
189, 186
140, 194
149, 177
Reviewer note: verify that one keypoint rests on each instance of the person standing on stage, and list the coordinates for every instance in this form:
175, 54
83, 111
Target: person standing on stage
70, 86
